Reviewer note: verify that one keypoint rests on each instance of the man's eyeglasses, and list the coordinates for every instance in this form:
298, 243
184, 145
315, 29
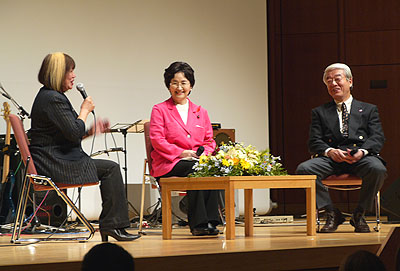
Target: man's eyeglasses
337, 79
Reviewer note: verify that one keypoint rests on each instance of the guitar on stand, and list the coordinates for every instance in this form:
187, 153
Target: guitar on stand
7, 208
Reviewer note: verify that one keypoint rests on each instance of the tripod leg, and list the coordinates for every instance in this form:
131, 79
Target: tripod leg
35, 221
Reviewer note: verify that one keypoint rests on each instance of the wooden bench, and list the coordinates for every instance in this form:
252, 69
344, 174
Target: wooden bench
229, 184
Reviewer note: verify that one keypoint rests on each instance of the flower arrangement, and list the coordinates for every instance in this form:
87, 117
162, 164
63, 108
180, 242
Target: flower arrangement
234, 159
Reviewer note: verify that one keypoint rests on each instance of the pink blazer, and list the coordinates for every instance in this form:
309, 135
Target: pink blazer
170, 136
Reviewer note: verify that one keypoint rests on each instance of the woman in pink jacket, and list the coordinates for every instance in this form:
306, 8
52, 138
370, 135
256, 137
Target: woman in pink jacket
178, 128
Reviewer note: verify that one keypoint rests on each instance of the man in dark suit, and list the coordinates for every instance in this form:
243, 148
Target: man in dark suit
346, 136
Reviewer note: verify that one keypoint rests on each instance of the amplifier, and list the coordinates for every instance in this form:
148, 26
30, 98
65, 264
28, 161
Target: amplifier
224, 136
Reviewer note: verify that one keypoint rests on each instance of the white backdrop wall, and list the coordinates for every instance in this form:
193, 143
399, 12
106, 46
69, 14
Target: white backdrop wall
121, 49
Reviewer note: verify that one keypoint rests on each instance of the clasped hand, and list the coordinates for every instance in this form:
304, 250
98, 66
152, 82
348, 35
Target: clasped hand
340, 156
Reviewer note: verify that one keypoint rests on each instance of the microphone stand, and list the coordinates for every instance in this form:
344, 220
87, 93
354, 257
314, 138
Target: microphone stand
22, 112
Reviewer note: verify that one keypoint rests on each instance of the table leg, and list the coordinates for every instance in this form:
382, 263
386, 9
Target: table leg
311, 210
230, 213
166, 213
248, 212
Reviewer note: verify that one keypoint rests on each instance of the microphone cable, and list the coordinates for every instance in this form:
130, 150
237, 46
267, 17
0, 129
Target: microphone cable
94, 133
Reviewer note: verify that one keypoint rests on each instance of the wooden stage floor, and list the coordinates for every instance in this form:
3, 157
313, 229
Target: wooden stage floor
271, 248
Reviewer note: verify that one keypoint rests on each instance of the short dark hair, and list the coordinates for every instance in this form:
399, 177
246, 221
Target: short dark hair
108, 256
362, 260
176, 67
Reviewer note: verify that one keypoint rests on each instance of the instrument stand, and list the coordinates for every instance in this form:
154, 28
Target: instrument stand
22, 112
124, 129
125, 168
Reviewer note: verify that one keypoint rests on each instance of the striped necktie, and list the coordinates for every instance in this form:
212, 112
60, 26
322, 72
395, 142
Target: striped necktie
345, 121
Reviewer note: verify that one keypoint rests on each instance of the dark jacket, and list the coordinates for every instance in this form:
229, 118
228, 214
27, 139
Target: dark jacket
365, 129
56, 136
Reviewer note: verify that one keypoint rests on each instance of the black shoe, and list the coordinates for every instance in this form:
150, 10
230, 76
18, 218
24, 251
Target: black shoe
333, 220
358, 222
200, 231
118, 234
212, 230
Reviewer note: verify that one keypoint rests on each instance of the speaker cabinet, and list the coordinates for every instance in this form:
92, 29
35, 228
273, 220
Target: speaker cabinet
53, 210
224, 136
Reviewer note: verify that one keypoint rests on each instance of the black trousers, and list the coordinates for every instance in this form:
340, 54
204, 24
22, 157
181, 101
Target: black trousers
115, 208
370, 169
202, 204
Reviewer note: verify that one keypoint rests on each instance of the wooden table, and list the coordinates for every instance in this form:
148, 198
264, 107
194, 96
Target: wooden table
229, 184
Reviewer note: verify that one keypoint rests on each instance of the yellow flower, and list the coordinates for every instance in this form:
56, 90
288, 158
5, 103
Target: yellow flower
245, 164
225, 162
203, 159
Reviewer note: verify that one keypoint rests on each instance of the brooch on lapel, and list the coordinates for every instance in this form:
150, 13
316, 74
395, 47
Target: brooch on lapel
197, 112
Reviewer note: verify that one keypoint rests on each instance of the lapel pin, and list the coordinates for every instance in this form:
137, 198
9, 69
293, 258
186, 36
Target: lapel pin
197, 111
360, 110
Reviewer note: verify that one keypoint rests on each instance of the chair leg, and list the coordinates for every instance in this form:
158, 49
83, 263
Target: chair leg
378, 211
142, 199
19, 217
318, 221
64, 197
69, 202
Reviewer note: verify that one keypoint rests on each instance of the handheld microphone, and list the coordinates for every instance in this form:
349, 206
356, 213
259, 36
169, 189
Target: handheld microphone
81, 89
354, 151
200, 150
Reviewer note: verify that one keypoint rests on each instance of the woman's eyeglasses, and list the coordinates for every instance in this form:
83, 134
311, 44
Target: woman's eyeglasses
177, 84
